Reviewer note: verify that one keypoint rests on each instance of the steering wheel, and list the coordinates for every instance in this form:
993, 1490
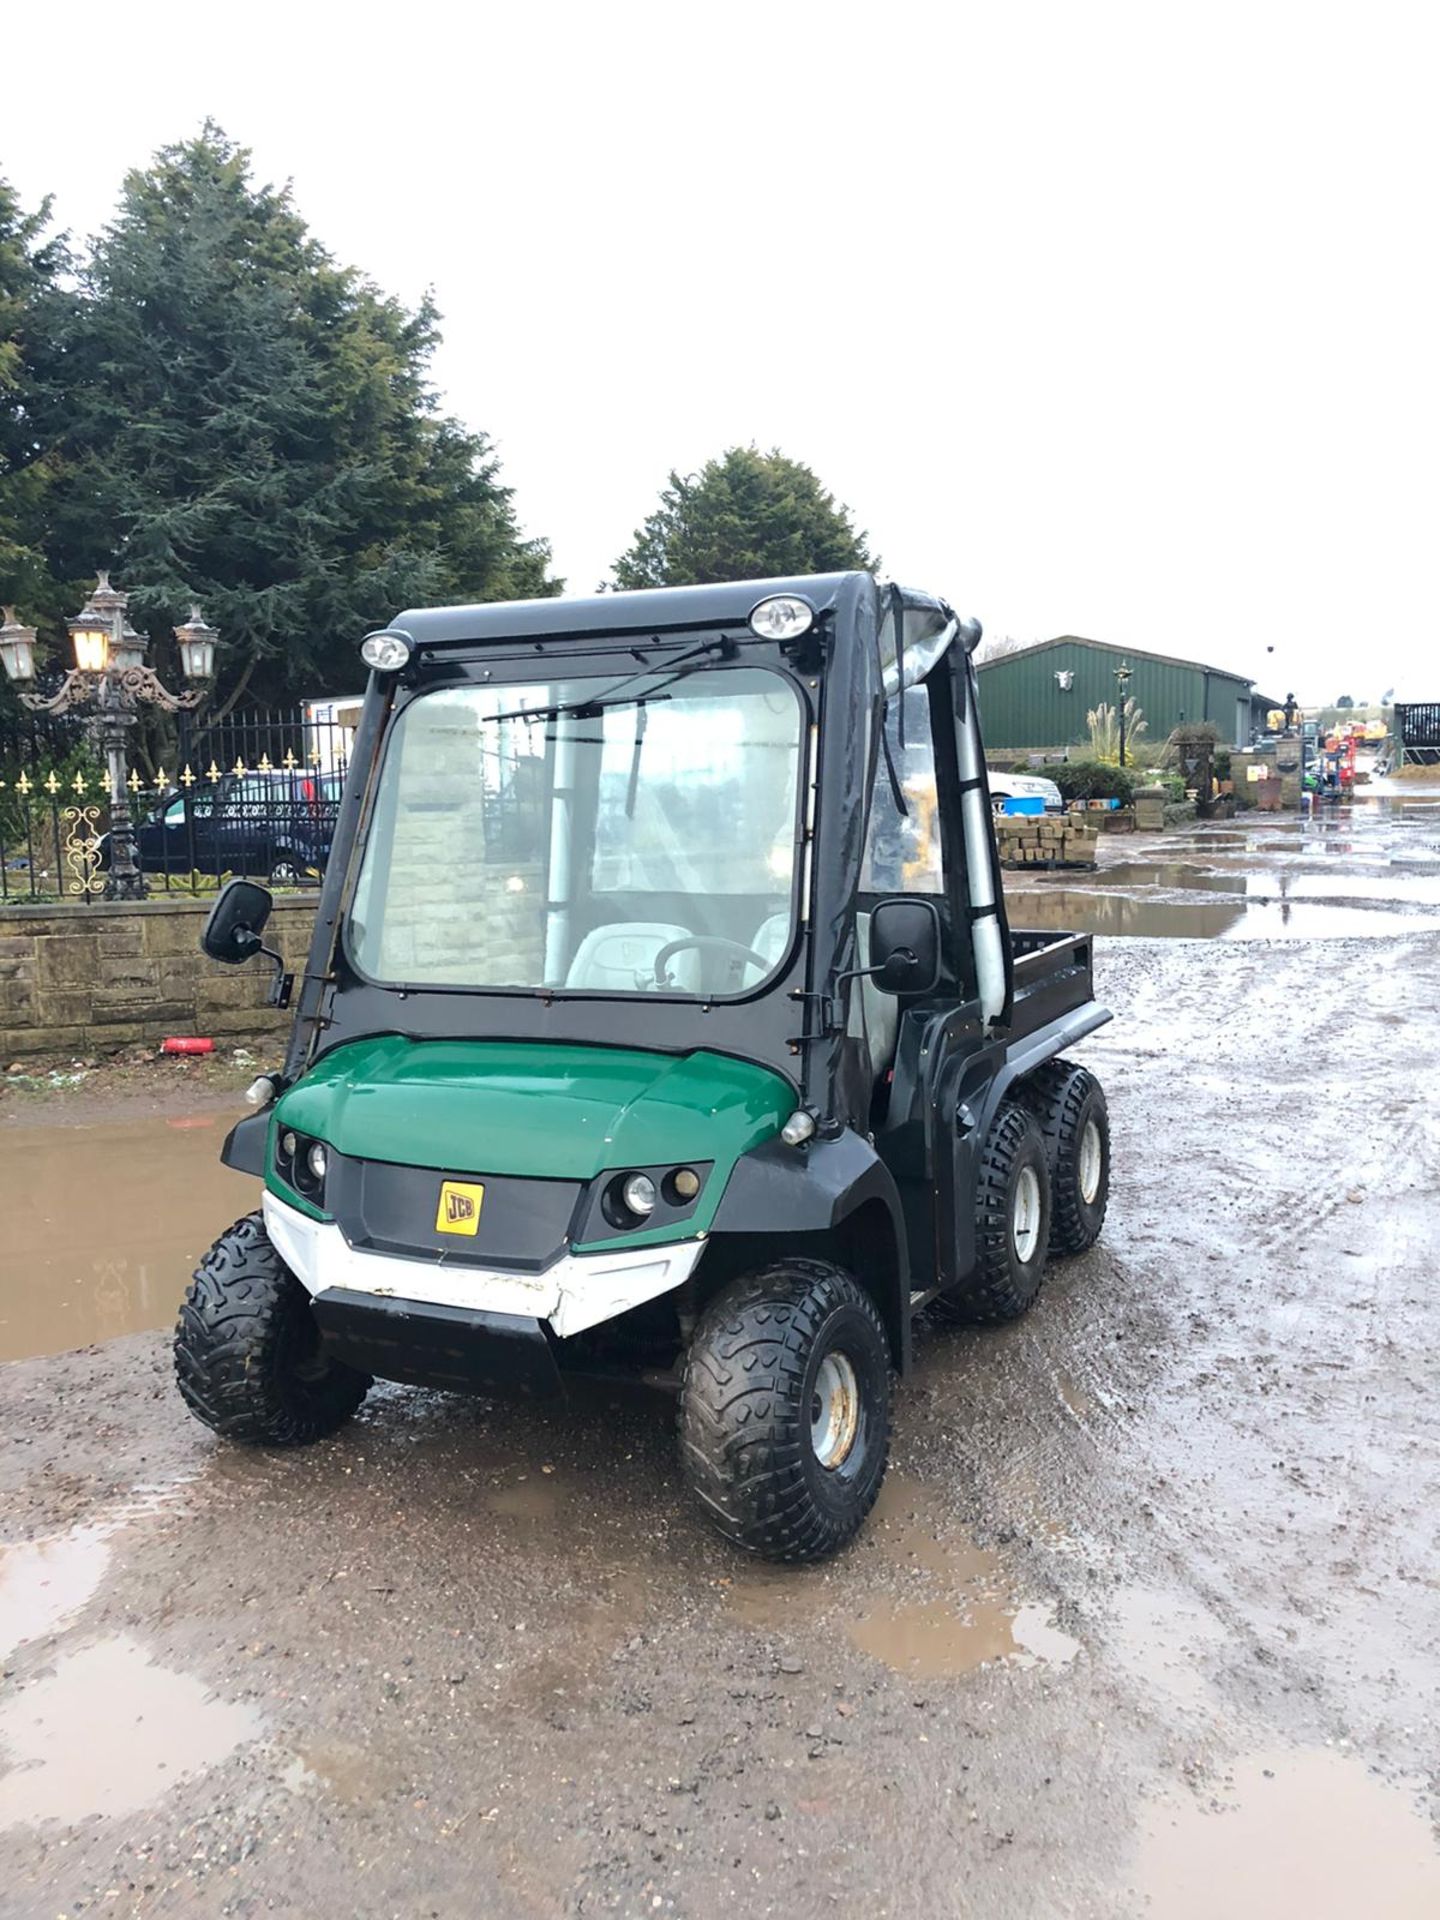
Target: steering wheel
706, 943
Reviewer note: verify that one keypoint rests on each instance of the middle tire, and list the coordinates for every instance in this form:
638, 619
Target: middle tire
1012, 1225
785, 1410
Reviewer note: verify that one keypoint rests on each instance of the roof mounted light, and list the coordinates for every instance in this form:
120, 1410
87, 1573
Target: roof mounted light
385, 652
784, 616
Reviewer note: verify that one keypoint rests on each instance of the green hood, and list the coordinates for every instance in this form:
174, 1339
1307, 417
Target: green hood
534, 1110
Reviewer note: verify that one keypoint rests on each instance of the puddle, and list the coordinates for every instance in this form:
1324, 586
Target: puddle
978, 1619
45, 1583
350, 1774
108, 1732
1079, 910
1290, 1833
1073, 1398
533, 1497
942, 1639
104, 1226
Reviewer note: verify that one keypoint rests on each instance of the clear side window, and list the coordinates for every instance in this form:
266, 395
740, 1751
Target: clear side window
902, 850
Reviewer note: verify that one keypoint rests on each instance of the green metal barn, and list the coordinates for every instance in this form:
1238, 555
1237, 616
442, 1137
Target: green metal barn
1040, 696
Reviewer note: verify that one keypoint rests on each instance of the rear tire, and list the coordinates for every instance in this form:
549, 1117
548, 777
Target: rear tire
1069, 1103
1012, 1225
785, 1410
248, 1356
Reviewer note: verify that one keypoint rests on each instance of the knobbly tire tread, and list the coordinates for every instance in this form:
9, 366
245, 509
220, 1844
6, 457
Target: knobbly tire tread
1057, 1094
744, 1424
240, 1318
995, 1292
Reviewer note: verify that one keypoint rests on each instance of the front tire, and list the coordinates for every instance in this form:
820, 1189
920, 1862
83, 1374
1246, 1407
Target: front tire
1012, 1225
785, 1410
248, 1356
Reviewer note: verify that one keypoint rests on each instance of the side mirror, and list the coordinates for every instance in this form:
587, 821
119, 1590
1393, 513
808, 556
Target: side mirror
905, 946
237, 920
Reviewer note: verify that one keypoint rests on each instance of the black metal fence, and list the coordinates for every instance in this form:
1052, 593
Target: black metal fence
253, 793
1417, 728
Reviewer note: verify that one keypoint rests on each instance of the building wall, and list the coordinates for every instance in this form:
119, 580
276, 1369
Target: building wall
79, 979
1022, 704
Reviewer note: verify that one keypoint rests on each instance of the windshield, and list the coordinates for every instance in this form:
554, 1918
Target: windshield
540, 837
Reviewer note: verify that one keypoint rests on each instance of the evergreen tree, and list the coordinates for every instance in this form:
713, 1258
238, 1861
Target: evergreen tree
746, 516
34, 310
252, 423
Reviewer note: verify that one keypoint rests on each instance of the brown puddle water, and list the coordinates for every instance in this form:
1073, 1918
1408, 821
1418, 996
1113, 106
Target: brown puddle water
1079, 910
978, 1619
45, 1583
1308, 1833
108, 1732
105, 1224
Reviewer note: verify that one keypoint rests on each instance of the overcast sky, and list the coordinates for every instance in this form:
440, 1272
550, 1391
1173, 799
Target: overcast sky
1111, 320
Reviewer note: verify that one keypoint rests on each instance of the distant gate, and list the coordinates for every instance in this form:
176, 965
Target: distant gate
1417, 728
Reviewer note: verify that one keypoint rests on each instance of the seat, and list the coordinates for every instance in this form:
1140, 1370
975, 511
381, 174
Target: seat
772, 936
620, 958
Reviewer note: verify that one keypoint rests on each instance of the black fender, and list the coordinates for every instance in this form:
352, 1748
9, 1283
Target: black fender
779, 1193
245, 1145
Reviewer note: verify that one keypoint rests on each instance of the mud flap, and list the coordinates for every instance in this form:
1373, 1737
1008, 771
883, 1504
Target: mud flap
460, 1348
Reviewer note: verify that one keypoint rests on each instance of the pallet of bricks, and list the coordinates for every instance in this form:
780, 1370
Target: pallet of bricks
1026, 840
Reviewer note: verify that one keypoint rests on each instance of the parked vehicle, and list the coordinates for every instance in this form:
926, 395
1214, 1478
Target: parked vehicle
633, 1039
1024, 786
276, 825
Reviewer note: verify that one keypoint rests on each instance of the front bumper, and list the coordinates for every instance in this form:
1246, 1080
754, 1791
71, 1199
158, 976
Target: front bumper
576, 1291
425, 1346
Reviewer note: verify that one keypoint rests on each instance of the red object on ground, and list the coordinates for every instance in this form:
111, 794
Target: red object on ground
187, 1046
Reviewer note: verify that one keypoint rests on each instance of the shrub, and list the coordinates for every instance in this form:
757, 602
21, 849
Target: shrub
1094, 780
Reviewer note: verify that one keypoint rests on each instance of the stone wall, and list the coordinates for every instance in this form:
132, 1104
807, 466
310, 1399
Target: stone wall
1279, 759
456, 909
80, 979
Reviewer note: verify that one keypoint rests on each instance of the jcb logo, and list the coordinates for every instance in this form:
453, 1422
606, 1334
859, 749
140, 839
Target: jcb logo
459, 1209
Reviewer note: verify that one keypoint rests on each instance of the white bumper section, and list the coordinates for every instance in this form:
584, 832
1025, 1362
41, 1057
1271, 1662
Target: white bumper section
576, 1291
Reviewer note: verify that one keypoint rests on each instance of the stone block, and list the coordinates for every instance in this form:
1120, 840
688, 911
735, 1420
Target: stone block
172, 932
62, 1007
121, 970
247, 989
69, 960
17, 1042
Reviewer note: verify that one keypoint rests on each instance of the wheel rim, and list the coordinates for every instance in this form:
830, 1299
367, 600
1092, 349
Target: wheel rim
834, 1411
283, 871
1092, 1161
1025, 1215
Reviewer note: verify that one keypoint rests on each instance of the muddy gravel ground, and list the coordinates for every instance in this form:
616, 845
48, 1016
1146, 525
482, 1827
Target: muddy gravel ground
1145, 1623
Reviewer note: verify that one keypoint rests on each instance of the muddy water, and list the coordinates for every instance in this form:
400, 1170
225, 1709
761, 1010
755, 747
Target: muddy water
45, 1583
1311, 1833
107, 1732
960, 1608
104, 1225
1079, 910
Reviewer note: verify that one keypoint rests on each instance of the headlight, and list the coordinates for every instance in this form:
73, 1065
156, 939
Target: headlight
316, 1161
785, 616
685, 1183
638, 1193
385, 652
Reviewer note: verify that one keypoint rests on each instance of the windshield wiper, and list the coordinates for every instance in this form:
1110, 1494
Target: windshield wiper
611, 696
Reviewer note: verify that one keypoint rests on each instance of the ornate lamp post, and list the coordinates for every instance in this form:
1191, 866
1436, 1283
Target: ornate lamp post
1122, 681
110, 678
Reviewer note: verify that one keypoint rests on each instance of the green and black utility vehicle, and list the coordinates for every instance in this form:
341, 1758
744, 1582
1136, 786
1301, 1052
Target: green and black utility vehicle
661, 1018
